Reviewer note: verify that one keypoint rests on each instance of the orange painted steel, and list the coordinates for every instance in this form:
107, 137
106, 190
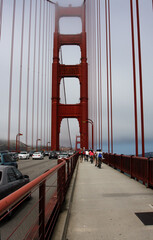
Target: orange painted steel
20, 193
44, 223
140, 79
134, 79
139, 168
60, 111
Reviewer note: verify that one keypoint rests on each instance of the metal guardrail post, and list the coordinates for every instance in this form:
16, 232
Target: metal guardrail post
122, 163
148, 172
42, 210
61, 183
131, 166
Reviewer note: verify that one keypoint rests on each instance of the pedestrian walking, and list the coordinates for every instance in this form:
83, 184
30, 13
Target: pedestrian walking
91, 154
99, 160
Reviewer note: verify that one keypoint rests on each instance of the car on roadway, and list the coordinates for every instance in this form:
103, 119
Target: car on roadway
14, 155
46, 153
7, 159
23, 155
1, 152
53, 155
63, 155
38, 155
11, 179
31, 153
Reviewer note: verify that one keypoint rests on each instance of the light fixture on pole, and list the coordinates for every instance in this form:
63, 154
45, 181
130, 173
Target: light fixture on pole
92, 123
19, 134
37, 143
47, 146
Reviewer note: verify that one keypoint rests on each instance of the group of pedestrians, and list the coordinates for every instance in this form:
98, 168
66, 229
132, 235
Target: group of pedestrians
93, 157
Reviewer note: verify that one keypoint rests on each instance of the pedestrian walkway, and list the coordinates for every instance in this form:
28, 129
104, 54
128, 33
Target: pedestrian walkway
104, 205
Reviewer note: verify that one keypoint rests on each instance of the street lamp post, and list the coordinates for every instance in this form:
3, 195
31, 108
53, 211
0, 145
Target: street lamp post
37, 143
19, 134
92, 124
47, 146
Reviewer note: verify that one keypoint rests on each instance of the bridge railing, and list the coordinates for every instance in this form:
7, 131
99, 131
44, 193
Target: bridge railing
139, 168
48, 192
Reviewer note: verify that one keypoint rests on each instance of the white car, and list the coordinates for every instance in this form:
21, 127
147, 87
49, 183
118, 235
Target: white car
61, 156
23, 155
37, 155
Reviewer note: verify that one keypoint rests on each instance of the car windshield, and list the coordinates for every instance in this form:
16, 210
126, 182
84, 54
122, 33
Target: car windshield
8, 158
23, 152
37, 153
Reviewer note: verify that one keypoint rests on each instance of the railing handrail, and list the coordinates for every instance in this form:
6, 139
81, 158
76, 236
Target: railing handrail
129, 164
16, 196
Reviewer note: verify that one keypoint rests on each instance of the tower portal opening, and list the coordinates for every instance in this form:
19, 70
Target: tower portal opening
70, 25
73, 125
70, 91
70, 55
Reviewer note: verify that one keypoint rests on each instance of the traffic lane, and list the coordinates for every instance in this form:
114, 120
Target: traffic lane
34, 168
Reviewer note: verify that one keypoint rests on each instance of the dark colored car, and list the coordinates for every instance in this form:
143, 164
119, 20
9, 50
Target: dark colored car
11, 179
46, 153
7, 159
14, 155
53, 155
31, 153
1, 152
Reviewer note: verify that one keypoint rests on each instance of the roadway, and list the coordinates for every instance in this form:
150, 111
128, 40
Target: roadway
33, 168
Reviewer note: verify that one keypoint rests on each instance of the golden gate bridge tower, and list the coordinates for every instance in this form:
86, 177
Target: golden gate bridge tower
80, 71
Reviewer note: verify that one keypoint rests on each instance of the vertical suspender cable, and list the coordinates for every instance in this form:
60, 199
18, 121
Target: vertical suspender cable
45, 74
140, 79
43, 32
11, 70
110, 75
100, 46
20, 82
38, 90
28, 71
48, 77
94, 62
34, 61
107, 75
88, 23
49, 80
90, 57
134, 79
98, 91
1, 12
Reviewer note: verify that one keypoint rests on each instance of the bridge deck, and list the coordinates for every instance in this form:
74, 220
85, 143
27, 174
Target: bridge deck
104, 206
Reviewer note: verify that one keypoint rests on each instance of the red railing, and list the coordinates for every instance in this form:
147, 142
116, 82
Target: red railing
140, 168
48, 193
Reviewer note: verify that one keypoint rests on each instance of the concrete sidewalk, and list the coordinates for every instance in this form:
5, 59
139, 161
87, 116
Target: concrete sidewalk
104, 206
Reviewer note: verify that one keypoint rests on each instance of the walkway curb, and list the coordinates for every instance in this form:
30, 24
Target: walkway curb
61, 227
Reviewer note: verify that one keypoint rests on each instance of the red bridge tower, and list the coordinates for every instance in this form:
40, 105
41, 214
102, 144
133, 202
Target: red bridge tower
60, 111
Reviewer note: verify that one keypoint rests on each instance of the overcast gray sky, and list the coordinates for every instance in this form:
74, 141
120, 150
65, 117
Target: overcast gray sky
122, 78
